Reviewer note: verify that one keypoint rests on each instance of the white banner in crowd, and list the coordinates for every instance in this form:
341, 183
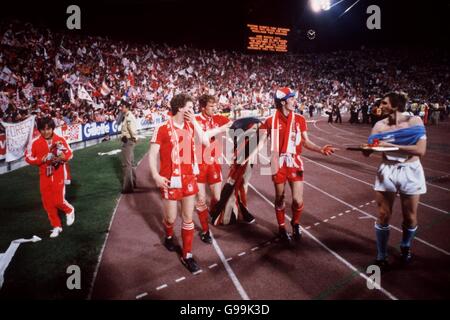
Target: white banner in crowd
18, 135
2, 146
72, 133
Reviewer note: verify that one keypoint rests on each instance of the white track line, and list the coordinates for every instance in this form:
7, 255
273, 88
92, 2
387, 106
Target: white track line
139, 296
180, 279
348, 264
368, 165
339, 156
106, 238
161, 287
315, 125
347, 132
336, 255
369, 184
373, 217
91, 289
365, 137
230, 271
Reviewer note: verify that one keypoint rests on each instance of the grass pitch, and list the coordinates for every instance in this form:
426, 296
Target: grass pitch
38, 270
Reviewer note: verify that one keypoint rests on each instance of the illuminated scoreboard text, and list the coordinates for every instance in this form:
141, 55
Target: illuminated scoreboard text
265, 38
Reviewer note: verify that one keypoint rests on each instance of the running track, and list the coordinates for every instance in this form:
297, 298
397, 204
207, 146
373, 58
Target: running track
247, 261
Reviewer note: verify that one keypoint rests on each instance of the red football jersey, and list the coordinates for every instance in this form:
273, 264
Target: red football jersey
299, 126
165, 137
212, 153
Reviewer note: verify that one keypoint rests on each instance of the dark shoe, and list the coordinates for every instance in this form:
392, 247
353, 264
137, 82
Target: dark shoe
284, 235
190, 264
296, 232
206, 237
127, 191
168, 243
405, 254
248, 217
383, 264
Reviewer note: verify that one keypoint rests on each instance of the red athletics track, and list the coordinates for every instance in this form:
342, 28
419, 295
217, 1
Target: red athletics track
247, 261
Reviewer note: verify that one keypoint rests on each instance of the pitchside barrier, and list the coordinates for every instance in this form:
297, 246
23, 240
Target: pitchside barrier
82, 136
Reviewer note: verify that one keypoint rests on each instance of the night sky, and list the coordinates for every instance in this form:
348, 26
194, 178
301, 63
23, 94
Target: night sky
222, 23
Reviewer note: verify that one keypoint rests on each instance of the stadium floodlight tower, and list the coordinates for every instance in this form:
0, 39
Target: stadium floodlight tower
320, 5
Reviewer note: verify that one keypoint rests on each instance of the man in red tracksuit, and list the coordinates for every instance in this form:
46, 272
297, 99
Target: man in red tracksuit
50, 153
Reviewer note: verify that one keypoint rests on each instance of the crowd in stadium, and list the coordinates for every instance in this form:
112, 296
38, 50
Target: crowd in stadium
79, 79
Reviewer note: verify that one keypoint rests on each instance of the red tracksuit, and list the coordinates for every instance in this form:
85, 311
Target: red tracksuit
52, 187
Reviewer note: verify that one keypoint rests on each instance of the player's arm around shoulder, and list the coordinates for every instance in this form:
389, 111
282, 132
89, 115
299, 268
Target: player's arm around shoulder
223, 128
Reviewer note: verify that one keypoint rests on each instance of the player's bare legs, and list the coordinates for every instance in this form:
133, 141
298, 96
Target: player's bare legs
385, 201
297, 207
170, 214
280, 211
215, 191
409, 210
203, 214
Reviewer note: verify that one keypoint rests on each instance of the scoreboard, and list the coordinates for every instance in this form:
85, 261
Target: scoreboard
265, 38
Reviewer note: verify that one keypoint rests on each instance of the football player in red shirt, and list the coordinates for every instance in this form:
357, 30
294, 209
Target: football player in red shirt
210, 171
50, 153
288, 134
173, 141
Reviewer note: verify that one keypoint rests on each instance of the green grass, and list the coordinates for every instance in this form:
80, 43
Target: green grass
38, 270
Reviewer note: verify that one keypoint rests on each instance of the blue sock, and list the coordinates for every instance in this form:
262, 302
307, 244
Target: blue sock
382, 233
408, 236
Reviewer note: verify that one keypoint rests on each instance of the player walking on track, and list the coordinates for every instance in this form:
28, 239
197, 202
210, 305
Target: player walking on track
210, 171
399, 172
288, 134
174, 142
